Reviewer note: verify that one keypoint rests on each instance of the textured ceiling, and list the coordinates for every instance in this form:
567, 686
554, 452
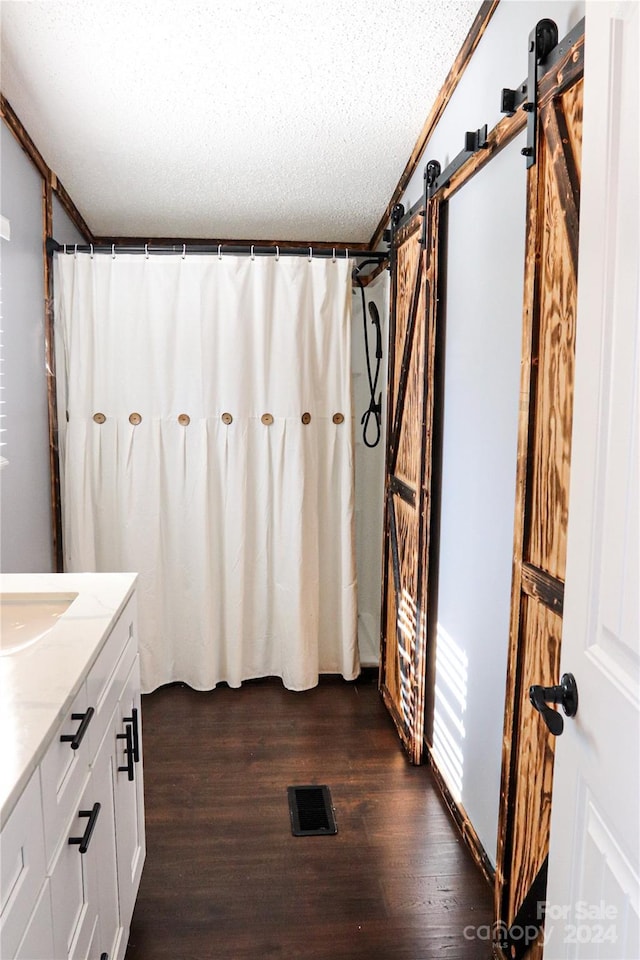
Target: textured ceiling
287, 119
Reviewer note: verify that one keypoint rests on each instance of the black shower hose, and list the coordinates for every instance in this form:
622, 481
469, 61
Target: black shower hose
373, 413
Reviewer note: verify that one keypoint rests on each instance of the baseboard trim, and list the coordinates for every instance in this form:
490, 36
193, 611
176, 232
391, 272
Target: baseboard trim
463, 823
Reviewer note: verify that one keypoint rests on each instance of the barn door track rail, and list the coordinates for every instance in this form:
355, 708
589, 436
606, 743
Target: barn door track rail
551, 65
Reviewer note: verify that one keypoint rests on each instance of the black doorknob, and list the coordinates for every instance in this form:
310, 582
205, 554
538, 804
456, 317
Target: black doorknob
566, 694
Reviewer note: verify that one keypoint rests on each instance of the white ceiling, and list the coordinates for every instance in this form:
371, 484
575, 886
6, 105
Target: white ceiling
252, 119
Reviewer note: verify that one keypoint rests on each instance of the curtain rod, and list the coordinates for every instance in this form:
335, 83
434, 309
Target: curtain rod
253, 250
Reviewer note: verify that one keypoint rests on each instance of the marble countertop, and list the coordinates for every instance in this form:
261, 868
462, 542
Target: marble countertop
38, 684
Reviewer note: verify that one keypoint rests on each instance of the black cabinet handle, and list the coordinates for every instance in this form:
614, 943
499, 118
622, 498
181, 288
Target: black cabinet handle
85, 839
128, 751
133, 720
75, 739
566, 694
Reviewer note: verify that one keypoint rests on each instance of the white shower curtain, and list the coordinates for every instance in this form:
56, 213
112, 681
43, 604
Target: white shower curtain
207, 443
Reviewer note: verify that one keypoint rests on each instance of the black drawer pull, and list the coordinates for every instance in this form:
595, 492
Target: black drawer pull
85, 839
133, 720
75, 739
128, 751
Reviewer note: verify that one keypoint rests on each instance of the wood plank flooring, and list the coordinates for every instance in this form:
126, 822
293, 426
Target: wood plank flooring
224, 878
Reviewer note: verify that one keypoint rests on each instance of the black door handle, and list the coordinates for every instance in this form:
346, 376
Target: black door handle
85, 839
128, 751
75, 739
566, 694
133, 720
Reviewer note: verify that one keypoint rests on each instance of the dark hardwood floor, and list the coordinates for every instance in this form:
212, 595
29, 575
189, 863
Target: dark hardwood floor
224, 878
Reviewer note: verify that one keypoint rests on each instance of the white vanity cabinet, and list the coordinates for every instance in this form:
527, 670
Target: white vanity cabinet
73, 846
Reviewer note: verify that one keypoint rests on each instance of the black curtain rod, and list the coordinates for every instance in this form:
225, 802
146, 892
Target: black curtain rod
256, 250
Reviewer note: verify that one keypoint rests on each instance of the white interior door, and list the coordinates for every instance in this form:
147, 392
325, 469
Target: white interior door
594, 864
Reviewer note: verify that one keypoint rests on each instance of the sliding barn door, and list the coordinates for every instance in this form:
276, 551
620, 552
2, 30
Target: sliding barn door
408, 469
542, 498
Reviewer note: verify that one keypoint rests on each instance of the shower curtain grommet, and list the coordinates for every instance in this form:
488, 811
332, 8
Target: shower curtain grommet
267, 419
226, 418
135, 419
99, 417
306, 418
338, 418
184, 419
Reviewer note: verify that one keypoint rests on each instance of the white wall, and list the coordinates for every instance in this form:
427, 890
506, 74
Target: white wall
482, 378
25, 510
485, 267
25, 517
64, 230
369, 471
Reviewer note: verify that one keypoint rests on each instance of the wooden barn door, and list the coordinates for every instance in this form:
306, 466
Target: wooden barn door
408, 468
542, 498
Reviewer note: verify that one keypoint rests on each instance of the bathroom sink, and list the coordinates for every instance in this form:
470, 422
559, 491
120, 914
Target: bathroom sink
28, 617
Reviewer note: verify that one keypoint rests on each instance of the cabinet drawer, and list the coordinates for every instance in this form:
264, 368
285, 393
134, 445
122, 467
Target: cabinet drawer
22, 866
37, 943
62, 774
74, 912
103, 682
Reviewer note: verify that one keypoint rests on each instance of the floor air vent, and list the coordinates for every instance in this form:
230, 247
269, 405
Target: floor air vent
311, 811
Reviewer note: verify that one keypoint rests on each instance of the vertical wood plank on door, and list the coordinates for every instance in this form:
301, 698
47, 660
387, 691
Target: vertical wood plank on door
551, 450
408, 460
542, 630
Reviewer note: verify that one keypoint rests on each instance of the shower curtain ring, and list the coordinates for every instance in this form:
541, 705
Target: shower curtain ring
219, 251
333, 258
346, 253
64, 248
75, 251
310, 254
91, 245
146, 250
252, 253
277, 252
113, 251
184, 250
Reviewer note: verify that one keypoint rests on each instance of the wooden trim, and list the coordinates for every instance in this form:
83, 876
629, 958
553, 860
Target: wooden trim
214, 241
12, 120
50, 360
370, 277
478, 27
461, 819
16, 127
542, 586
